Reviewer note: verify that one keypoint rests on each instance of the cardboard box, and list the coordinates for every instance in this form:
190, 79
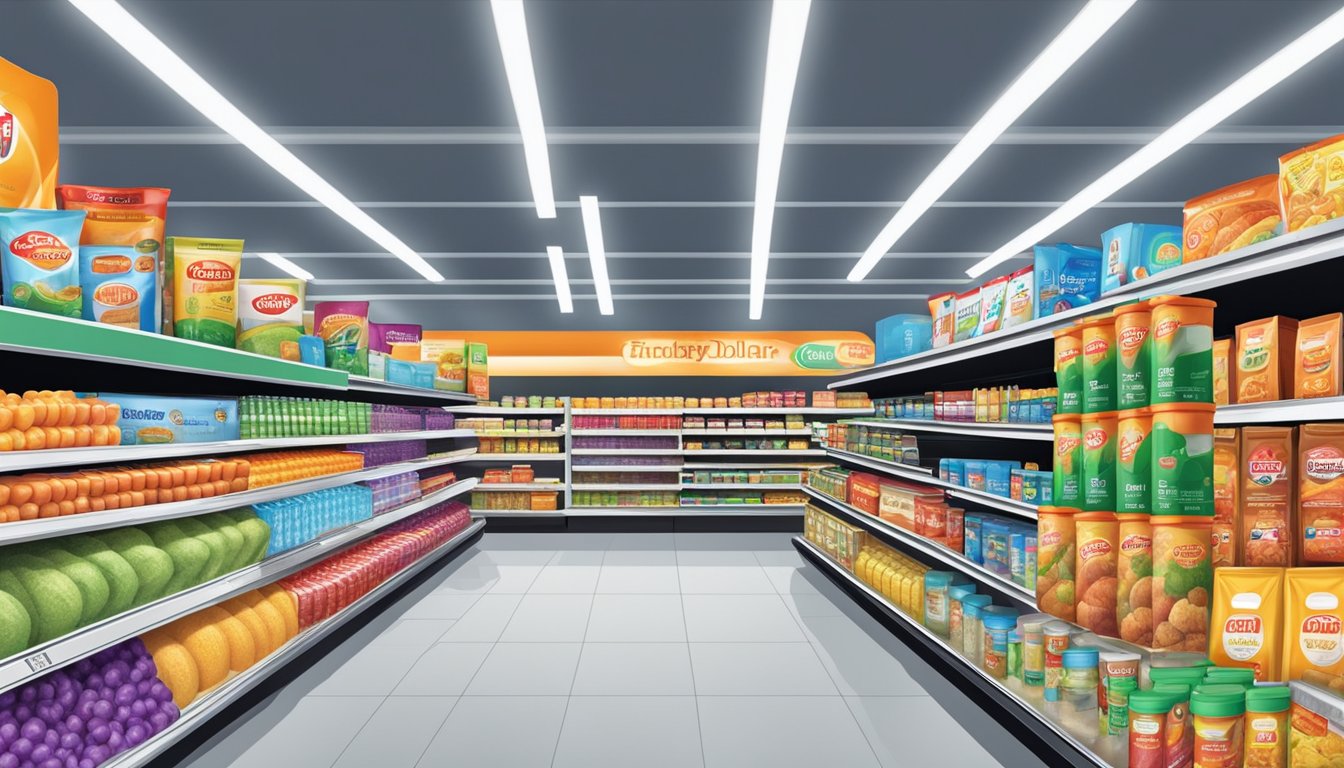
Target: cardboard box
450, 355
478, 370
152, 419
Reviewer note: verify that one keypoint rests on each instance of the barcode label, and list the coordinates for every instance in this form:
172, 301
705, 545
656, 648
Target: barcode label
38, 662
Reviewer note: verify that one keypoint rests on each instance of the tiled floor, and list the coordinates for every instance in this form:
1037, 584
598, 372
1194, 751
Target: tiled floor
599, 650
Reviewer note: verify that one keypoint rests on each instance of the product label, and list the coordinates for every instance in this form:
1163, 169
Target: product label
1094, 548
9, 133
1168, 254
1136, 544
41, 249
1265, 472
1322, 640
1324, 464
1243, 636
1166, 328
210, 272
1188, 555
116, 294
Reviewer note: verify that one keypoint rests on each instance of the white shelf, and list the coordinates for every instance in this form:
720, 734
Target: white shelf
626, 432
56, 653
574, 468
948, 557
752, 452
1286, 252
625, 411
758, 465
15, 461
31, 530
755, 510
495, 410
805, 411
497, 487
519, 457
233, 689
925, 476
730, 432
625, 451
737, 509
1007, 431
366, 384
1312, 409
519, 433
524, 513
741, 487
625, 487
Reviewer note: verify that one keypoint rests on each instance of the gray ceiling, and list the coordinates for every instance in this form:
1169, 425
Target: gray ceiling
652, 105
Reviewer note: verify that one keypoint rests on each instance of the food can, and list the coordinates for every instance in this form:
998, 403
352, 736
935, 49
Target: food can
1134, 461
1055, 555
1133, 354
1069, 369
1099, 431
1182, 582
1182, 451
1067, 488
1097, 535
1098, 364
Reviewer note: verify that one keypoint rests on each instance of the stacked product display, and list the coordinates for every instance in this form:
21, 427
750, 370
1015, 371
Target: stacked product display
886, 443
991, 405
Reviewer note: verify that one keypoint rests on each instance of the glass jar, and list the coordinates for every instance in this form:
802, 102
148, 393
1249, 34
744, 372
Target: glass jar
1033, 653
973, 628
955, 595
994, 658
1078, 687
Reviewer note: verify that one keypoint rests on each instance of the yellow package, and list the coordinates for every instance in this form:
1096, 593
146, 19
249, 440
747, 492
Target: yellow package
205, 288
1247, 621
1313, 635
29, 144
1311, 183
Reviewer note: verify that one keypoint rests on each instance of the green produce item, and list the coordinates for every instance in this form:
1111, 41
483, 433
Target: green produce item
56, 597
255, 530
236, 543
122, 580
153, 567
93, 588
189, 555
1099, 364
9, 583
219, 547
1099, 441
15, 626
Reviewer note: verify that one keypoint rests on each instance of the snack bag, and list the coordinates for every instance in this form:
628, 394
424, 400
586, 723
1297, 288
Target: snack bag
1020, 297
1264, 369
450, 356
1267, 531
344, 329
205, 288
1316, 362
1248, 620
1313, 636
991, 305
382, 338
1133, 252
130, 216
1230, 218
942, 308
1222, 371
41, 260
1321, 494
120, 286
1067, 276
1226, 492
29, 144
1311, 183
967, 320
270, 317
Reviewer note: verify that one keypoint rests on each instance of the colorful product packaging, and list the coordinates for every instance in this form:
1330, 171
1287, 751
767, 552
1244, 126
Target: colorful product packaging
40, 263
1134, 576
1067, 488
1226, 494
29, 140
381, 338
1218, 712
1133, 252
1320, 502
1317, 725
270, 317
1311, 183
450, 356
127, 216
1133, 365
966, 318
1097, 561
1134, 461
203, 273
1021, 297
343, 327
1069, 369
1099, 440
1182, 582
1313, 639
1067, 276
1316, 362
1222, 371
1268, 457
992, 297
1182, 449
1230, 218
478, 370
1182, 354
119, 286
1247, 620
1099, 365
1267, 726
942, 310
1265, 359
155, 419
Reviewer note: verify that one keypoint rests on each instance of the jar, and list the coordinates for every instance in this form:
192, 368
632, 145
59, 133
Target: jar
973, 628
1243, 676
1180, 728
1267, 722
955, 594
1148, 713
995, 657
1055, 555
1079, 684
1217, 712
1117, 704
936, 584
1188, 676
1033, 653
1056, 637
1015, 655
1112, 665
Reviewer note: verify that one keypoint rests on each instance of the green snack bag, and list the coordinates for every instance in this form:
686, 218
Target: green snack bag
270, 317
204, 276
343, 327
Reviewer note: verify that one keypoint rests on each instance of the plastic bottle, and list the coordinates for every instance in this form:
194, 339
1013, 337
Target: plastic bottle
994, 659
1033, 653
1079, 685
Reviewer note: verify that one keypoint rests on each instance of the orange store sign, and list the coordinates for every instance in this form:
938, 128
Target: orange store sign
669, 353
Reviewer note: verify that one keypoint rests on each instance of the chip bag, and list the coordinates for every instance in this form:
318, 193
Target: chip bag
1247, 621
942, 309
41, 260
1311, 183
29, 144
205, 288
344, 329
120, 286
1314, 624
270, 317
1230, 218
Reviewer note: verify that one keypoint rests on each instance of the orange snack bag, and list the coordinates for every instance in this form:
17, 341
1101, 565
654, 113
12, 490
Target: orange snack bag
1320, 508
1247, 622
1222, 372
1226, 492
1311, 183
1232, 217
1316, 359
29, 145
1313, 635
1265, 362
1267, 484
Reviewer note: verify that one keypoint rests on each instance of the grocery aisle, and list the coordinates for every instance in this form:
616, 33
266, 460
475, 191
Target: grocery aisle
619, 649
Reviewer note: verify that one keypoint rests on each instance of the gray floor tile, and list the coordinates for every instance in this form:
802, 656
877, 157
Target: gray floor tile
780, 557
567, 579
484, 622
724, 580
738, 557
514, 731
578, 554
857, 663
647, 731
636, 618
788, 579
439, 605
527, 669
374, 671
397, 733
739, 618
809, 604
782, 732
640, 557
413, 634
444, 670
314, 732
914, 730
639, 579
739, 541
634, 669
515, 579
642, 541
549, 619
759, 669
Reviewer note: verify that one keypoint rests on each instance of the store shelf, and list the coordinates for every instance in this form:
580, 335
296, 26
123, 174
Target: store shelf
57, 653
519, 433
625, 487
15, 461
756, 465
216, 701
779, 509
519, 513
1298, 249
968, 429
625, 451
366, 384
755, 510
926, 477
746, 432
45, 528
1051, 741
625, 411
519, 457
751, 452
495, 410
806, 411
1295, 411
903, 539
625, 468
556, 486
741, 487
626, 432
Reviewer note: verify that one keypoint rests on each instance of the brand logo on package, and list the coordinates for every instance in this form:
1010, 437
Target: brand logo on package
1243, 636
1129, 445
210, 271
1188, 555
1135, 543
275, 303
1265, 472
9, 134
1066, 355
41, 249
1166, 327
1096, 347
1095, 438
1325, 463
1131, 338
115, 294
1066, 444
1094, 548
1051, 538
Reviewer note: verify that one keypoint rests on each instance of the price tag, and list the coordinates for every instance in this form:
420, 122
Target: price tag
38, 662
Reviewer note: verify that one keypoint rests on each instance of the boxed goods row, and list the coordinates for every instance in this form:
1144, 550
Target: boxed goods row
644, 422
730, 424
749, 444
582, 477
741, 477
436, 479
788, 399
1279, 358
634, 462
999, 477
992, 405
276, 467
262, 416
739, 498
879, 442
526, 401
520, 445
46, 419
298, 520
391, 452
500, 426
637, 442
394, 491
533, 501
626, 499
518, 473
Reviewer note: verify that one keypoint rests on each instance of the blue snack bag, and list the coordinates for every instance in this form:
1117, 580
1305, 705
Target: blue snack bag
119, 286
41, 260
1136, 251
1067, 276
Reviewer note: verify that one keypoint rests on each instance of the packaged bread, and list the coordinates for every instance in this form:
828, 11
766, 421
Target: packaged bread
1311, 183
1320, 506
1313, 636
1232, 217
1267, 490
1247, 625
1265, 362
1222, 371
1316, 362
1226, 493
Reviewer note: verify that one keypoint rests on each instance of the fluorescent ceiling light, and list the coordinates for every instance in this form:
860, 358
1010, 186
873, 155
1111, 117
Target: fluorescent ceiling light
597, 253
287, 266
511, 27
1068, 46
561, 278
160, 60
1246, 89
788, 24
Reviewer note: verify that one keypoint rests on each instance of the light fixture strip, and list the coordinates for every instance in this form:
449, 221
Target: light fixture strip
788, 26
561, 278
1246, 89
1069, 45
286, 266
511, 27
597, 253
160, 60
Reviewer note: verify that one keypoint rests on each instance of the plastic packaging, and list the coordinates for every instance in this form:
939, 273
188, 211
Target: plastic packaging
1247, 620
1056, 635
344, 329
1182, 350
1134, 354
1020, 297
1182, 450
1218, 711
995, 658
1320, 501
41, 260
119, 286
203, 274
1099, 476
1056, 552
1182, 582
1033, 652
1067, 276
955, 617
1134, 252
1097, 534
270, 317
942, 311
1099, 364
1079, 684
1134, 576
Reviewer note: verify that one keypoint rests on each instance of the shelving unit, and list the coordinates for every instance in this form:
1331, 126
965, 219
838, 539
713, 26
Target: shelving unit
626, 468
626, 451
625, 487
751, 452
495, 410
626, 432
521, 457
755, 510
1290, 411
555, 486
739, 432
741, 487
968, 429
366, 384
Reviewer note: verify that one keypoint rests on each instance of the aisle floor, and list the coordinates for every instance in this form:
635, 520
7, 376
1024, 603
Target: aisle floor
615, 650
